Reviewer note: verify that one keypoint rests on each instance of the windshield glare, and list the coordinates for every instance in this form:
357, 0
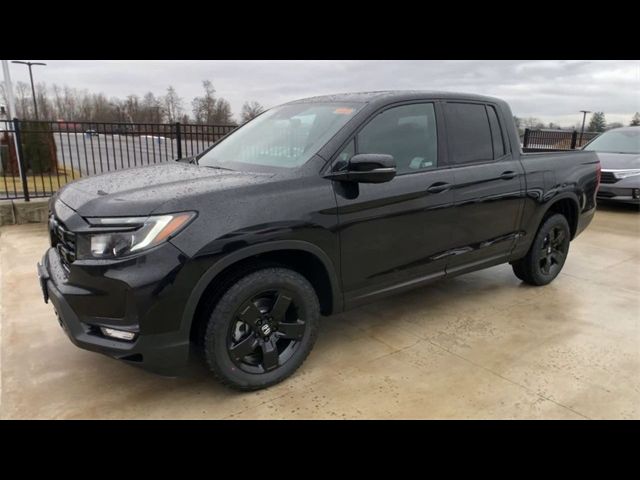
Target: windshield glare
620, 141
285, 136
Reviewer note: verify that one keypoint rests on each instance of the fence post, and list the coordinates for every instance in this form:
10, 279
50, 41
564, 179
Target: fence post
574, 138
525, 140
179, 140
21, 165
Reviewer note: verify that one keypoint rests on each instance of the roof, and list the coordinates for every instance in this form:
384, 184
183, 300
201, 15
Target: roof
393, 95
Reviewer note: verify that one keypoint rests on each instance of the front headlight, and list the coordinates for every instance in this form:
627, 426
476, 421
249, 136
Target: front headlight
620, 174
118, 237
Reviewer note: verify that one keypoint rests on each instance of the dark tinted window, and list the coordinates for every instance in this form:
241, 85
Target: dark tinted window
496, 133
469, 133
407, 132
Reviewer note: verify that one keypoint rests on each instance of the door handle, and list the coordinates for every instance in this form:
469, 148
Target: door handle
508, 175
439, 187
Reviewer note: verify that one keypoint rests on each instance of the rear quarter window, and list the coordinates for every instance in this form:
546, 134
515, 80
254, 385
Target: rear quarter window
496, 133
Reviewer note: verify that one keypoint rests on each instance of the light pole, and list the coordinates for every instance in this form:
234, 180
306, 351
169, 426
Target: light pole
33, 90
584, 117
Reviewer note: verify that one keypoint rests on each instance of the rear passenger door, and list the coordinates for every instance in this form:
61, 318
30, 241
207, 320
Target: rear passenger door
488, 185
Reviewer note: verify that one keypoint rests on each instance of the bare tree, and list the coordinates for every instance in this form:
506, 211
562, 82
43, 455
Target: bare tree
4, 100
103, 110
69, 104
222, 114
531, 122
85, 108
251, 110
68, 100
57, 101
45, 106
132, 109
204, 107
172, 105
23, 100
119, 110
151, 108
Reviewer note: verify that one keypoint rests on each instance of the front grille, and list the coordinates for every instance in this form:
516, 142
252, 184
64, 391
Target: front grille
607, 177
603, 194
62, 240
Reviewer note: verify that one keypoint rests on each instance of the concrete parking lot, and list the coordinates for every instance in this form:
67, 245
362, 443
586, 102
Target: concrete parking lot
482, 345
88, 155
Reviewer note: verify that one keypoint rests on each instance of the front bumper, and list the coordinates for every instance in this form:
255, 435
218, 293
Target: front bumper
619, 193
161, 345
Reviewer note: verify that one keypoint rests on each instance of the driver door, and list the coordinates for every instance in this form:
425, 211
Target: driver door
395, 235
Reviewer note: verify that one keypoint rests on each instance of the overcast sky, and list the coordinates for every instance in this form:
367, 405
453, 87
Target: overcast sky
550, 90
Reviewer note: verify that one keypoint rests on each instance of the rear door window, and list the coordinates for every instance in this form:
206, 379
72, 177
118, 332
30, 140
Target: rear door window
468, 132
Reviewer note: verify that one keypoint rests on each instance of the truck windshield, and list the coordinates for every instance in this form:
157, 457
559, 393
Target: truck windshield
617, 141
285, 136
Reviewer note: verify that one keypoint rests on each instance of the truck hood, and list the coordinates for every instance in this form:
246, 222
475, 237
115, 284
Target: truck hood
619, 161
142, 191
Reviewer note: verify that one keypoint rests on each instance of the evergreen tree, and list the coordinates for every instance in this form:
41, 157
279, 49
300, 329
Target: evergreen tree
635, 121
597, 123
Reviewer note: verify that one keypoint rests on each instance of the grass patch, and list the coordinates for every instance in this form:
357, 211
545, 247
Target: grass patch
38, 183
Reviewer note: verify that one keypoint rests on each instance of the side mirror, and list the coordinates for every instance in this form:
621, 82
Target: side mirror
366, 168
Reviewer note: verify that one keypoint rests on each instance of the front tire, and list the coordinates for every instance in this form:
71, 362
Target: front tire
547, 254
262, 329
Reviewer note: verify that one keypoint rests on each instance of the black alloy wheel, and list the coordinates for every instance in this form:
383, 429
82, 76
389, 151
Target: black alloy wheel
266, 332
553, 251
262, 328
547, 254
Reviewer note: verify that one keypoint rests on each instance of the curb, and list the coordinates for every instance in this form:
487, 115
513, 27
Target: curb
18, 212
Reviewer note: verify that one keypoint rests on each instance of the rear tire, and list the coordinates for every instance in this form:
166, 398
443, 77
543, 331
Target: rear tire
545, 259
262, 329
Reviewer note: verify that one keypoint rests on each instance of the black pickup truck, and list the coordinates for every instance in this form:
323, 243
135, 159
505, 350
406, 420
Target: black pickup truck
313, 207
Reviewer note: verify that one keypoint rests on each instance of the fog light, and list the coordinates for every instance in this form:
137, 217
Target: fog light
119, 334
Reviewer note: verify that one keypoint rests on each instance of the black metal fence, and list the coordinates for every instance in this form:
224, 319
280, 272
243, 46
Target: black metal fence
541, 139
39, 157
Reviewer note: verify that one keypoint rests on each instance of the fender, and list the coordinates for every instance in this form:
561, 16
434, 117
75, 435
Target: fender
528, 231
238, 255
561, 196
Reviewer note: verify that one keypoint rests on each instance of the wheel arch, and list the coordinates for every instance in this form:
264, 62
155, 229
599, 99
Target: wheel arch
305, 258
566, 205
